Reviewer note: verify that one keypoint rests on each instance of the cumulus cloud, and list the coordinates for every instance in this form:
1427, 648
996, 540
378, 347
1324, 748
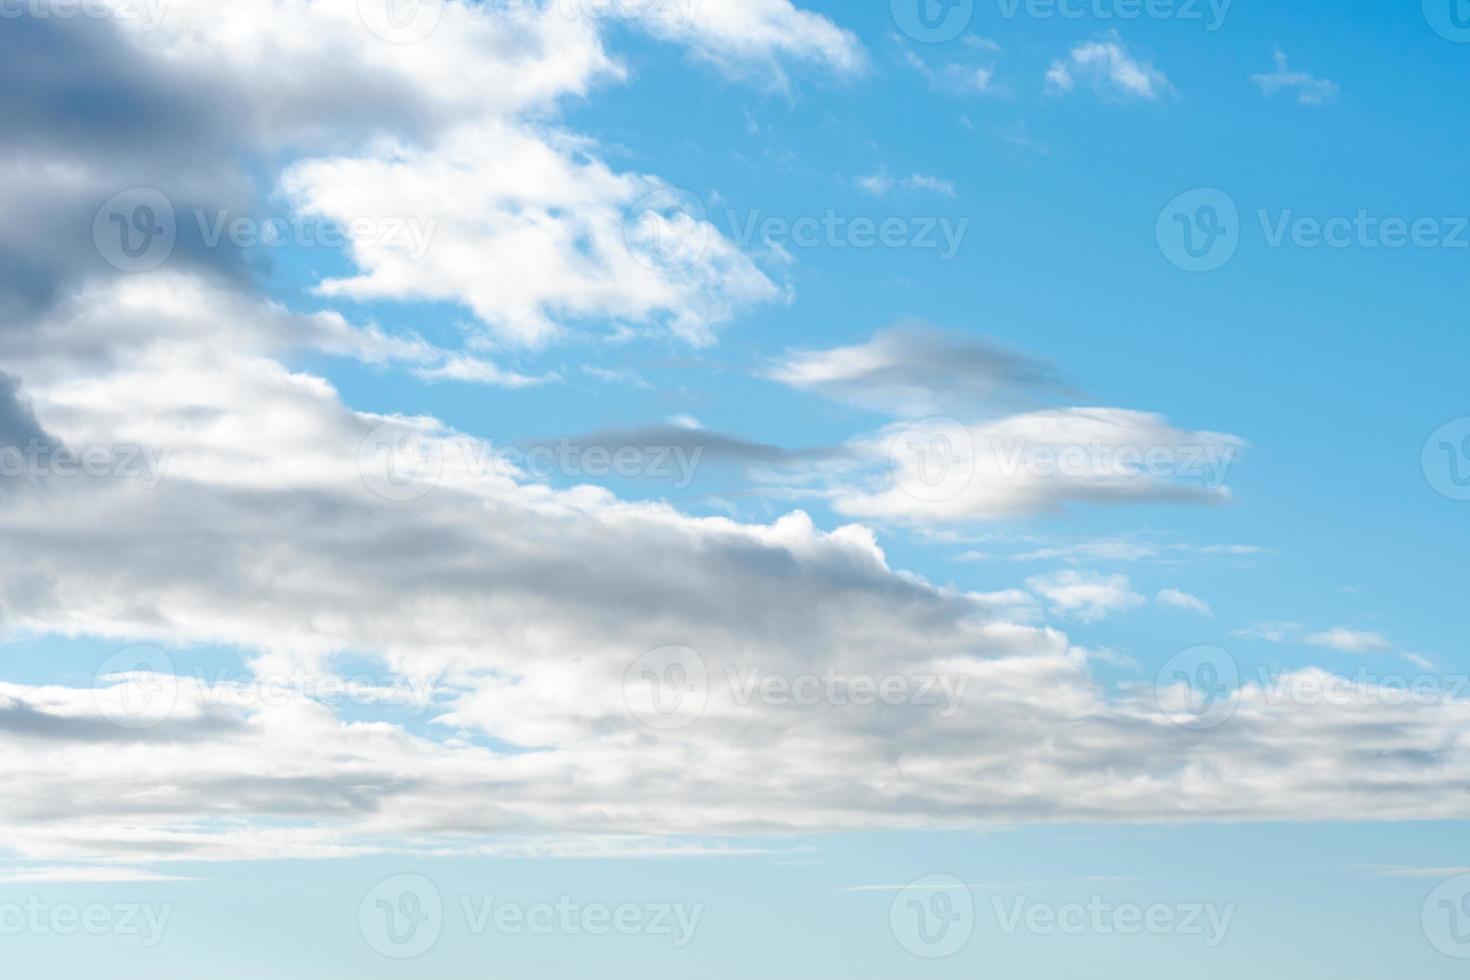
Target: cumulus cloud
1109, 69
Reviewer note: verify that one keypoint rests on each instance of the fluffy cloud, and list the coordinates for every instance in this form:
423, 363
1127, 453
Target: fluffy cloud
1110, 70
1088, 596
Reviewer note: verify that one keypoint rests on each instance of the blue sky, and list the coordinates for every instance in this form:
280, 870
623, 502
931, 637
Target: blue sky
1044, 461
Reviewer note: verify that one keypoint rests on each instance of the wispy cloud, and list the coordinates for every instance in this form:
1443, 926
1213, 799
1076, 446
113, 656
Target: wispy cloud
1310, 90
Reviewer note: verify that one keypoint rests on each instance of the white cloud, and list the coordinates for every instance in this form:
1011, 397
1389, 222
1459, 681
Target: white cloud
1087, 596
1310, 90
1176, 599
939, 471
1351, 641
1110, 70
881, 184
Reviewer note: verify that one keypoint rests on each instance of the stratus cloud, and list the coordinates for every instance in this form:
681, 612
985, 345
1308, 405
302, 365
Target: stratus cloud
914, 368
1310, 90
1109, 69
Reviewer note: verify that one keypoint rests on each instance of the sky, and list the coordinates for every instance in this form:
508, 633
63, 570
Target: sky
726, 487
